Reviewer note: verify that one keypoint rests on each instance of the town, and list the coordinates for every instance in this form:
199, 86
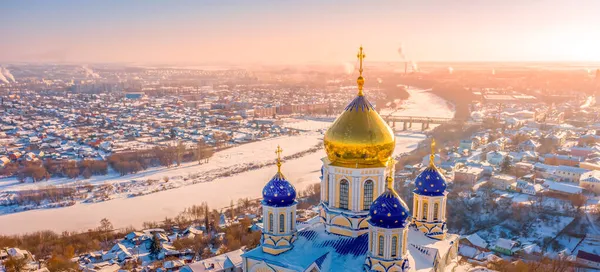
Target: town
523, 166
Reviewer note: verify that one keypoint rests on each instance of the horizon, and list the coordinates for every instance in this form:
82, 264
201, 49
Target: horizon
270, 32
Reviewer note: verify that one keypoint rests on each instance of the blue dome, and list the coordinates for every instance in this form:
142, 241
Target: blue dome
389, 211
430, 182
279, 192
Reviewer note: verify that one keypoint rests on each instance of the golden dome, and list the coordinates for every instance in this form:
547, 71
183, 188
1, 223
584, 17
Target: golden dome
359, 137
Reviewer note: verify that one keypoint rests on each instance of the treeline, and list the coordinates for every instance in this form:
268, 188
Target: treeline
124, 163
135, 161
44, 170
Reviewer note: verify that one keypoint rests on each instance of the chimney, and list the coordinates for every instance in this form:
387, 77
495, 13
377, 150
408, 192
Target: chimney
405, 67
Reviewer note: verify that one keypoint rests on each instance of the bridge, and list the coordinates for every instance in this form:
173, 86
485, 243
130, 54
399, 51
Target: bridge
407, 121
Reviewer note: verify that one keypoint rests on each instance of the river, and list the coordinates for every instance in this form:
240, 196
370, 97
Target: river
124, 212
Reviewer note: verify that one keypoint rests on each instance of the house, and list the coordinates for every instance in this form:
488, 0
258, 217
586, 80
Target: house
569, 173
173, 265
562, 188
466, 145
505, 246
568, 160
529, 145
119, 252
227, 262
582, 151
525, 187
191, 232
502, 182
591, 181
588, 259
523, 168
468, 175
474, 240
495, 157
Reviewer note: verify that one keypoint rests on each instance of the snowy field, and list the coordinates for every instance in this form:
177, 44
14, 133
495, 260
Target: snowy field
133, 211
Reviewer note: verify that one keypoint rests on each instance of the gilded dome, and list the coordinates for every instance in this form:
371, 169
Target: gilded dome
359, 137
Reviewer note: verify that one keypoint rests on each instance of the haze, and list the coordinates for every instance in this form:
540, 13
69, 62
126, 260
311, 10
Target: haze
296, 32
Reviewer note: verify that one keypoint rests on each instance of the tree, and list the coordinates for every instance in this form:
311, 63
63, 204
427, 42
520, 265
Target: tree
180, 150
61, 263
155, 246
578, 201
14, 264
206, 219
105, 228
506, 165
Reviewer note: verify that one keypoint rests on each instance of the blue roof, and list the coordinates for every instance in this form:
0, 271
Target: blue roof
430, 182
360, 103
389, 211
315, 245
279, 192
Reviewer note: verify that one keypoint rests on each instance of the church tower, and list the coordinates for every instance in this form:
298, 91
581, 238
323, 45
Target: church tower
429, 204
359, 145
388, 230
279, 213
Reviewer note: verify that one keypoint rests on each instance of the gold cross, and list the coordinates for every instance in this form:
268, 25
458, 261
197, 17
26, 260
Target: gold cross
278, 152
360, 57
432, 156
360, 81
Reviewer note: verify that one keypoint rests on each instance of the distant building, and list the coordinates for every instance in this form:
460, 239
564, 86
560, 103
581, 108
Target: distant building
591, 181
228, 262
502, 182
135, 95
466, 145
569, 173
506, 247
568, 160
468, 175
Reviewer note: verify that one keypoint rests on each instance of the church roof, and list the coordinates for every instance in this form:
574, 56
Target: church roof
332, 252
430, 182
279, 192
389, 211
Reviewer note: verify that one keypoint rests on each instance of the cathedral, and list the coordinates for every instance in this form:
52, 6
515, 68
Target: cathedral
363, 224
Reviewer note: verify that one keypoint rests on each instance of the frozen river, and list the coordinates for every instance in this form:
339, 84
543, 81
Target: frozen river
124, 212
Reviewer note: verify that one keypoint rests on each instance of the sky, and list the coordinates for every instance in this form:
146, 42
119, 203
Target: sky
298, 31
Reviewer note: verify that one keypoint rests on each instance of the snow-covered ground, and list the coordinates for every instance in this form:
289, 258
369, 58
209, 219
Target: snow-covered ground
133, 211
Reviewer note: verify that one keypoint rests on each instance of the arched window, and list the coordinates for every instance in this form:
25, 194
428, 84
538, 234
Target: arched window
394, 246
425, 211
291, 220
368, 195
380, 251
344, 194
436, 210
281, 223
270, 222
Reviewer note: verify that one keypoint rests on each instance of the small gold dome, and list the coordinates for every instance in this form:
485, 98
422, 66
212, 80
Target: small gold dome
359, 137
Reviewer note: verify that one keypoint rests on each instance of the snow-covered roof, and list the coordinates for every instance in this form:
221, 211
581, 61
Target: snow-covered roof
217, 263
476, 240
505, 243
563, 187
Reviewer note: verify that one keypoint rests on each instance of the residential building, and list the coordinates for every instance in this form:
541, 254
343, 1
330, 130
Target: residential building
468, 175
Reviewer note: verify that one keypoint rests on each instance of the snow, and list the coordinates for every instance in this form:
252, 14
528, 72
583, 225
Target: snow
125, 211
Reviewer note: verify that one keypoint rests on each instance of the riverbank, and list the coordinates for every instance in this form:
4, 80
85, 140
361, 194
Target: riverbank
301, 172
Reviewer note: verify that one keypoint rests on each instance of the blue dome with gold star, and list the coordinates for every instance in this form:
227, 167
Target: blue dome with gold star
279, 192
389, 210
430, 182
